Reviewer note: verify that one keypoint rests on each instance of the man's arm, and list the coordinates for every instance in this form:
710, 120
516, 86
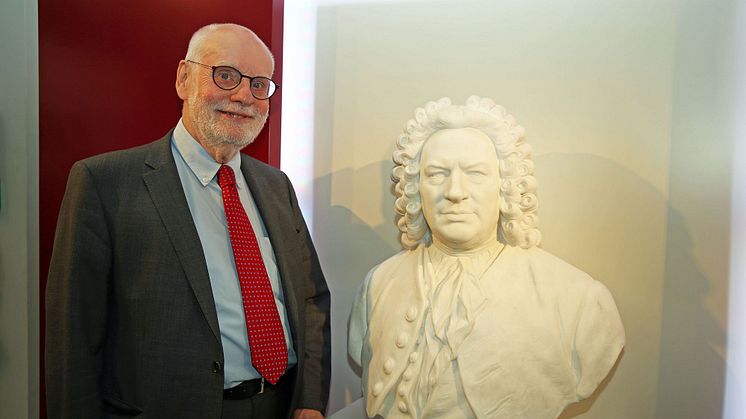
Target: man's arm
317, 346
317, 366
76, 301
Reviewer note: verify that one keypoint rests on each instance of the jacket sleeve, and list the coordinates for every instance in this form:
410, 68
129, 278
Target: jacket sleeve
76, 301
317, 352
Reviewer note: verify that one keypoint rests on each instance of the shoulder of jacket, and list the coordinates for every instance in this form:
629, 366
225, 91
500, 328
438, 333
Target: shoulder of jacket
112, 160
260, 167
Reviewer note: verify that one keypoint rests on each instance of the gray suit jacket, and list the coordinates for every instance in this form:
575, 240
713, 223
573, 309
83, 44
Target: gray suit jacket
131, 324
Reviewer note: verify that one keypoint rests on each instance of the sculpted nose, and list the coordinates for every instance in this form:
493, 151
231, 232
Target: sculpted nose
454, 188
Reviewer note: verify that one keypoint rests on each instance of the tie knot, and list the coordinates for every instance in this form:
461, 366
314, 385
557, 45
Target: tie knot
226, 177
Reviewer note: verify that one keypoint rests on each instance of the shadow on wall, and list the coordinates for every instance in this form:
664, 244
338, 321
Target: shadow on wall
348, 249
692, 372
693, 342
354, 243
619, 228
608, 221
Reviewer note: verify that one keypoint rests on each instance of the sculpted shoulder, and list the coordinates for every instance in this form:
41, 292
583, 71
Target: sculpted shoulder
546, 267
546, 276
390, 271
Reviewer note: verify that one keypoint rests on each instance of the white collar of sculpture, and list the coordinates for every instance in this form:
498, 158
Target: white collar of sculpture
472, 319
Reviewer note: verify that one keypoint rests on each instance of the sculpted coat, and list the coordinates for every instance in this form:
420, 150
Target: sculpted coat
544, 335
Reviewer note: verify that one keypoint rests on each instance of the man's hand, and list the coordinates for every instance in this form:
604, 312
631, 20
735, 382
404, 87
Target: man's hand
307, 414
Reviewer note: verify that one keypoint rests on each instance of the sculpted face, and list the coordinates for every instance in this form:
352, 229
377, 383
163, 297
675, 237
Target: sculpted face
215, 116
459, 187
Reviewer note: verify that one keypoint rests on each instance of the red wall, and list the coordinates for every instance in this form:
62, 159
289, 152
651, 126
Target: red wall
106, 82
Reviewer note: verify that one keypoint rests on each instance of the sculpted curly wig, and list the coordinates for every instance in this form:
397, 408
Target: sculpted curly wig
518, 202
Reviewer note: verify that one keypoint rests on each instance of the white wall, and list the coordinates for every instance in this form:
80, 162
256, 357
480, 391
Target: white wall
19, 211
735, 384
627, 104
694, 335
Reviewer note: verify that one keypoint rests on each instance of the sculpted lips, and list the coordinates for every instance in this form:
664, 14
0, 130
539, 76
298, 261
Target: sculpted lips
456, 211
456, 215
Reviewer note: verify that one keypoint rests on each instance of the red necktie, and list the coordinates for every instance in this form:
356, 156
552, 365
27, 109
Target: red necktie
269, 353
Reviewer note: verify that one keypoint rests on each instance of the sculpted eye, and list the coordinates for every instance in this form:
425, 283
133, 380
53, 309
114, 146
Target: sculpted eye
478, 173
435, 177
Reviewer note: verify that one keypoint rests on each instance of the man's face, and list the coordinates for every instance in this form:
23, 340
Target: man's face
459, 187
215, 116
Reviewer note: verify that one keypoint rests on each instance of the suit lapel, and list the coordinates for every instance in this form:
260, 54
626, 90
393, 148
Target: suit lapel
162, 180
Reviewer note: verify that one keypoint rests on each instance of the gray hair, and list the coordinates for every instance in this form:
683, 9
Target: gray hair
518, 202
195, 49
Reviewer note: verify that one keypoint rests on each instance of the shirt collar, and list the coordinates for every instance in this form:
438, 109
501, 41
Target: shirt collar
198, 160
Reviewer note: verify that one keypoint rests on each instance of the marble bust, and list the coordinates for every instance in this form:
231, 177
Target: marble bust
472, 319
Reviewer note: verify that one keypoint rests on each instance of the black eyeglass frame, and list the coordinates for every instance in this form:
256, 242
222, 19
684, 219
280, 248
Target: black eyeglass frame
243, 76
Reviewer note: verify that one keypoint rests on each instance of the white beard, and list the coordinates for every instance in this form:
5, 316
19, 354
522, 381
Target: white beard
215, 130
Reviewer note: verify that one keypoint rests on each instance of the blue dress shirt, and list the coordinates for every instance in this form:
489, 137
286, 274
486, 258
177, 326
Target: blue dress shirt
198, 174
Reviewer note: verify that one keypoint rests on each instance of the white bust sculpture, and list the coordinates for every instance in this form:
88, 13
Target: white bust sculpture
472, 319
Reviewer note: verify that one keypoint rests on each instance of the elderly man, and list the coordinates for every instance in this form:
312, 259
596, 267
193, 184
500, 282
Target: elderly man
473, 320
183, 282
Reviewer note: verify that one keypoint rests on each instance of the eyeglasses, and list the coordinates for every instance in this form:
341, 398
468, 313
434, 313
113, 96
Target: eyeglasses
228, 78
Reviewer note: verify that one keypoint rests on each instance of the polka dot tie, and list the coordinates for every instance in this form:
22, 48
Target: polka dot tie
269, 353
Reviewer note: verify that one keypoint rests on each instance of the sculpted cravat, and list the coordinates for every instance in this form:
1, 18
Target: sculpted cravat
266, 338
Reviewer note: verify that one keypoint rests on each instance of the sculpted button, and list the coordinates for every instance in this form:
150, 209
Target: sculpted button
402, 340
377, 388
411, 314
403, 407
401, 390
413, 357
407, 375
388, 366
